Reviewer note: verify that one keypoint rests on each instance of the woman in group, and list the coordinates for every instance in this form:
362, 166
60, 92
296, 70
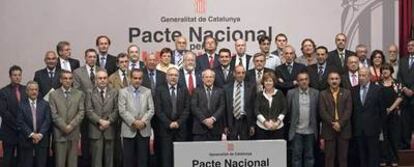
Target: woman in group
377, 60
308, 49
165, 60
391, 128
270, 109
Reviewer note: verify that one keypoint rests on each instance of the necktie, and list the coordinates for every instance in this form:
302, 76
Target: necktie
151, 74
364, 94
354, 80
66, 94
208, 97
320, 73
259, 76
124, 80
51, 74
342, 57
237, 102
102, 92
211, 61
226, 73
241, 62
190, 83
411, 62
133, 65
174, 103
33, 107
92, 76
102, 63
180, 59
17, 92
289, 68
258, 81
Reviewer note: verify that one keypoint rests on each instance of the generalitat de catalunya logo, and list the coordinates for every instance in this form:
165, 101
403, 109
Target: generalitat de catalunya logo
200, 6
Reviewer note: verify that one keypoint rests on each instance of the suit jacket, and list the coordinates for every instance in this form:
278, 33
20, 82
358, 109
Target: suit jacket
251, 75
233, 62
406, 75
160, 79
219, 80
367, 118
110, 65
74, 64
203, 62
182, 82
249, 96
333, 59
115, 80
67, 111
45, 83
288, 78
345, 82
327, 113
164, 113
294, 109
9, 107
315, 82
97, 109
201, 111
25, 122
82, 80
129, 112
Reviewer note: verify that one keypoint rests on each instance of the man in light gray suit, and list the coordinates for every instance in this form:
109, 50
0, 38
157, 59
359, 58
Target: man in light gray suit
102, 113
67, 107
136, 108
84, 80
303, 106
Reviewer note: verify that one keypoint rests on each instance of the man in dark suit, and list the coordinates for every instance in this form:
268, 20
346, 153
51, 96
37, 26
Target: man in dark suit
361, 51
67, 106
335, 109
288, 71
338, 57
177, 57
208, 107
254, 76
190, 76
34, 123
172, 106
239, 96
281, 40
406, 77
367, 116
318, 73
134, 56
303, 132
48, 78
65, 62
102, 113
105, 60
349, 79
241, 57
224, 73
153, 78
10, 97
209, 60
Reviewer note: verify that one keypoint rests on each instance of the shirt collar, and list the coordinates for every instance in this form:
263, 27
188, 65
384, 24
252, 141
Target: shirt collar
306, 92
53, 70
32, 101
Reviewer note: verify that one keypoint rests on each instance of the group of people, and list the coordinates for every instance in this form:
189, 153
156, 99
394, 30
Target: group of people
357, 110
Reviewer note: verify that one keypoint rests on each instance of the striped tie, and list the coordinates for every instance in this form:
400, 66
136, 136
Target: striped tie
237, 102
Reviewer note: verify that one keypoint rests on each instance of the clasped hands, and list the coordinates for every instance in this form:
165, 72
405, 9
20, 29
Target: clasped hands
272, 124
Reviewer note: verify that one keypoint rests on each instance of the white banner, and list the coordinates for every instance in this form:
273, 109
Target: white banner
260, 153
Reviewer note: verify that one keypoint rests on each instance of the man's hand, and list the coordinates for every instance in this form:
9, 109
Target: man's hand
104, 124
336, 126
174, 125
408, 92
68, 129
251, 131
208, 122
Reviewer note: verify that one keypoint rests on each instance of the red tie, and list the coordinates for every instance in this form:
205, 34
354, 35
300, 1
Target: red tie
190, 83
211, 62
354, 81
17, 91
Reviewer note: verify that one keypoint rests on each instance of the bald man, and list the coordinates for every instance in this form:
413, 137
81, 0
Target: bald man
241, 58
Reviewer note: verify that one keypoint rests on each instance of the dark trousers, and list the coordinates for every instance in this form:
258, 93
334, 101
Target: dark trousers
165, 148
406, 126
302, 150
9, 150
239, 130
27, 159
118, 145
85, 145
336, 148
368, 147
207, 137
136, 151
353, 153
269, 135
391, 133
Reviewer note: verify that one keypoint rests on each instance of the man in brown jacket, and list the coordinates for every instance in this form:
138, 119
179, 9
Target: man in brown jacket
335, 107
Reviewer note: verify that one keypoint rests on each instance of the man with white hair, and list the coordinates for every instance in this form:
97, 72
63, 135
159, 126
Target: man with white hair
241, 58
190, 77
